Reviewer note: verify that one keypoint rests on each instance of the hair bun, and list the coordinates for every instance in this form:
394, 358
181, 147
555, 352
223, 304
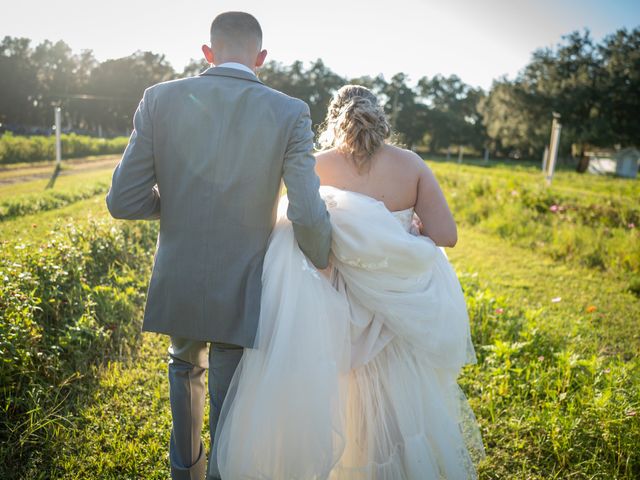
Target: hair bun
356, 124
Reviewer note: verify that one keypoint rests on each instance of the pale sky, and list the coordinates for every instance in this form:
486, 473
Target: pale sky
479, 40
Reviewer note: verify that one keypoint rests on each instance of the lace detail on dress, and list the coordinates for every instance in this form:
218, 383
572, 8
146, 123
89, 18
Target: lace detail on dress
330, 201
405, 217
358, 262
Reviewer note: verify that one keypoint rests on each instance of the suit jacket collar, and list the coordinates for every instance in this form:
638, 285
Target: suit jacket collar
231, 72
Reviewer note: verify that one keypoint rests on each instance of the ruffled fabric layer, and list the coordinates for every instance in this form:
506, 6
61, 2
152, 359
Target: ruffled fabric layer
353, 374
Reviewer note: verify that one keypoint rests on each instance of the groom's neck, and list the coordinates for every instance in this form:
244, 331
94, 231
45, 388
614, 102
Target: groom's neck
236, 59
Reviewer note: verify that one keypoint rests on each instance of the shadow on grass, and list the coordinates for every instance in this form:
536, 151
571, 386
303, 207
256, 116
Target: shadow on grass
54, 176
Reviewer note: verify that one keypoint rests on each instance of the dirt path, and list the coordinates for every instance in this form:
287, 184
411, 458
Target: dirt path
69, 167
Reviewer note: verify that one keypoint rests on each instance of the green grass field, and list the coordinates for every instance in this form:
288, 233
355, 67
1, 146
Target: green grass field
552, 281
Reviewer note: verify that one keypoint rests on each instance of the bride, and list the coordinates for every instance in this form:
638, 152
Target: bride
353, 374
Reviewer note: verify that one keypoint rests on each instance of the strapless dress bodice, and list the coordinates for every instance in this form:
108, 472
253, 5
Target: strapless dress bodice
405, 217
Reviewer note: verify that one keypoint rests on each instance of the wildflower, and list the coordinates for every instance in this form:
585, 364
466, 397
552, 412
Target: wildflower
514, 193
499, 311
554, 208
556, 299
541, 358
631, 225
591, 308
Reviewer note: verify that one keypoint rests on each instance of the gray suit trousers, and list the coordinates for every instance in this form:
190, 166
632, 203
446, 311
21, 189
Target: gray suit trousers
187, 364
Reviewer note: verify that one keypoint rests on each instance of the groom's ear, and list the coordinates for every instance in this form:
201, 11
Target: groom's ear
260, 58
208, 53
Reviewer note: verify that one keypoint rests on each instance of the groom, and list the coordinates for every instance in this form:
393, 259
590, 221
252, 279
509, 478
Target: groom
206, 157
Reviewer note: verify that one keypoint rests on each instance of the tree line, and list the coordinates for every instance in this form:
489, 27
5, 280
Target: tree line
594, 86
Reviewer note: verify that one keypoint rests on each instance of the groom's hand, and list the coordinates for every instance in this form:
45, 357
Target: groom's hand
417, 228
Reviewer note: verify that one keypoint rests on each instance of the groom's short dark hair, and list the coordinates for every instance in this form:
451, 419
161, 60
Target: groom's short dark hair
237, 26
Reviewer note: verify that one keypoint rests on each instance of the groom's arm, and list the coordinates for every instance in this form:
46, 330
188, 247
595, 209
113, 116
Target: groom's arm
307, 211
134, 192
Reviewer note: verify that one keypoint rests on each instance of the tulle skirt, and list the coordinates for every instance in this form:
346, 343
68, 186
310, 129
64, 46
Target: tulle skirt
353, 377
406, 420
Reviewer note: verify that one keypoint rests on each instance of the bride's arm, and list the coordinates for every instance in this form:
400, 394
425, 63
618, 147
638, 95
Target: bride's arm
432, 208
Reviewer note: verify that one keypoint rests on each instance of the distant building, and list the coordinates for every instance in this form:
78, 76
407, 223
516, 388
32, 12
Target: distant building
627, 162
623, 163
602, 162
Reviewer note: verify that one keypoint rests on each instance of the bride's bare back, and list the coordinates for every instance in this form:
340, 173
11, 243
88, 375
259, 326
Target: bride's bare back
400, 179
357, 158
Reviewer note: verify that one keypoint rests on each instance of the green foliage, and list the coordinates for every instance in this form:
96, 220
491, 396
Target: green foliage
48, 200
126, 418
452, 117
117, 85
15, 149
592, 86
66, 303
547, 408
315, 84
557, 384
92, 94
514, 124
556, 389
620, 54
599, 231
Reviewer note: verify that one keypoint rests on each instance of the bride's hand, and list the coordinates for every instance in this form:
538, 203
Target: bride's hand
417, 228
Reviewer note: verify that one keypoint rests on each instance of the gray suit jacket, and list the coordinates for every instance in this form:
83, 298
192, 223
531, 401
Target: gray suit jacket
207, 157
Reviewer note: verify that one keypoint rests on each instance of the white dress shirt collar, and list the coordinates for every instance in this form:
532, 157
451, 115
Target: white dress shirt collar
237, 66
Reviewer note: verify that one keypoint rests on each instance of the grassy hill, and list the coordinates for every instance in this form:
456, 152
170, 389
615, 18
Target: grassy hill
551, 278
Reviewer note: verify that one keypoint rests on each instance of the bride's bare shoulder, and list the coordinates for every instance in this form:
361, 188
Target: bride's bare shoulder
324, 155
409, 160
326, 163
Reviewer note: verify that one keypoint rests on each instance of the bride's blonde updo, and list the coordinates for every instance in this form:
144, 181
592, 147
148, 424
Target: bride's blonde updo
355, 125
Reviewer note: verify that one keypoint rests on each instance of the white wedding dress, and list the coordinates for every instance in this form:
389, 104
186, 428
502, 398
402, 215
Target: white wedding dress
353, 374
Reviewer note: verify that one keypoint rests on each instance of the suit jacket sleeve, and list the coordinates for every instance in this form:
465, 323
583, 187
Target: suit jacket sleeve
134, 192
307, 210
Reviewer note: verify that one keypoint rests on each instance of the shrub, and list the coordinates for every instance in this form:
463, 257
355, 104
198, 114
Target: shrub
65, 305
548, 408
47, 200
595, 230
15, 149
